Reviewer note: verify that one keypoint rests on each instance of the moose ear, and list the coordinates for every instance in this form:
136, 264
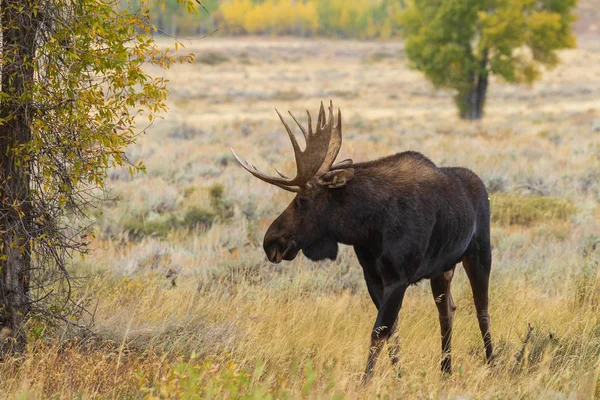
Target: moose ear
336, 178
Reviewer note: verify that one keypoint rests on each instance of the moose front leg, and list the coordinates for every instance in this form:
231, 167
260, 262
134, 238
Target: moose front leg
368, 262
393, 294
375, 287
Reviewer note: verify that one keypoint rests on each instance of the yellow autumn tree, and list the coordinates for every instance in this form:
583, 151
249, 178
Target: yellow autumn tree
358, 18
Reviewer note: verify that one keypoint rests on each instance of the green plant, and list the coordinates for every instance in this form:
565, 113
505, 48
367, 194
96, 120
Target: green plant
139, 228
212, 58
197, 217
511, 209
287, 95
222, 206
459, 44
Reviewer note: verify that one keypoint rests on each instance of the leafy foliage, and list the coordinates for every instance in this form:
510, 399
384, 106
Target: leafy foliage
458, 43
174, 17
275, 17
337, 18
81, 108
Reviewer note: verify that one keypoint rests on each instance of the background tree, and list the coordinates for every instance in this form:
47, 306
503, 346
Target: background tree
72, 88
169, 17
459, 44
365, 19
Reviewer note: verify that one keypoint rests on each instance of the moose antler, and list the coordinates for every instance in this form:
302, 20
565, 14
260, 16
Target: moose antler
322, 147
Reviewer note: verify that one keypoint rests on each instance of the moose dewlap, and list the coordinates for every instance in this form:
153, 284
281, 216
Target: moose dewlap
406, 218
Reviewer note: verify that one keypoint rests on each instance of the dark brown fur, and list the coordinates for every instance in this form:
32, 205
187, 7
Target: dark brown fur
408, 220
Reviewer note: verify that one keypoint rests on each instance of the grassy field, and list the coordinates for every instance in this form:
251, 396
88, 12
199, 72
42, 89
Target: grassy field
189, 307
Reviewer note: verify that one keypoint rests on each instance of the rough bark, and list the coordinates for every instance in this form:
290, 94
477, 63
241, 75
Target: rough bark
19, 26
471, 102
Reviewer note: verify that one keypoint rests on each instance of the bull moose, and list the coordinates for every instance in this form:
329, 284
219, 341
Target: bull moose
406, 218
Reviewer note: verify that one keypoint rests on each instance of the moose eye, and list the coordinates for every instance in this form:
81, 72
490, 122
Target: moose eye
301, 202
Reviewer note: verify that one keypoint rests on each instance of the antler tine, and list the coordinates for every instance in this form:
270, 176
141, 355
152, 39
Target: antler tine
281, 174
291, 135
331, 121
338, 125
284, 184
321, 122
335, 143
300, 126
310, 132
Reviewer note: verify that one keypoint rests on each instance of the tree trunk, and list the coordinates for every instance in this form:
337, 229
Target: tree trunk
19, 26
472, 101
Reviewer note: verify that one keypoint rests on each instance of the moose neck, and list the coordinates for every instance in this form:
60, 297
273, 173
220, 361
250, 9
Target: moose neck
356, 215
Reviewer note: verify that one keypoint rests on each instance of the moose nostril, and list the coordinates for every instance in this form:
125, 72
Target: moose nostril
273, 253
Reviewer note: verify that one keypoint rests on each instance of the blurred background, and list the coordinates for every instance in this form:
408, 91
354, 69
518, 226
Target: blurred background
363, 19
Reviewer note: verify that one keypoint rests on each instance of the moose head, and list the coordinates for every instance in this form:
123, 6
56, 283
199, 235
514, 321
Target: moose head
303, 224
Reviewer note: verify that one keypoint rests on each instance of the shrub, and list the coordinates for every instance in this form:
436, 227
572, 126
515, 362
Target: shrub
193, 218
198, 217
212, 58
510, 209
139, 228
222, 206
287, 95
496, 184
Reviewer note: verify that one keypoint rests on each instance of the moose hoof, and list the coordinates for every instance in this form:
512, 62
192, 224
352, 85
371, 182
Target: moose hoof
366, 378
446, 368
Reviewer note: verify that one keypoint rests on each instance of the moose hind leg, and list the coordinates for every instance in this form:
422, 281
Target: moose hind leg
478, 267
440, 287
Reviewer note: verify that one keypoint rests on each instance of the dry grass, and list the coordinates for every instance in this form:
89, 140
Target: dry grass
193, 309
510, 209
